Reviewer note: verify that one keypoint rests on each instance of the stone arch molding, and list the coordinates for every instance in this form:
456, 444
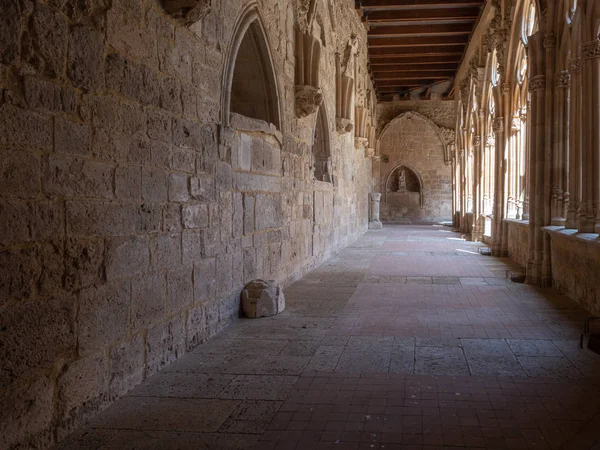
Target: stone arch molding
413, 170
446, 136
249, 16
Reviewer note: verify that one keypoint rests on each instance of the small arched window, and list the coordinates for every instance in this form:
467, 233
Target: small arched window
253, 88
529, 25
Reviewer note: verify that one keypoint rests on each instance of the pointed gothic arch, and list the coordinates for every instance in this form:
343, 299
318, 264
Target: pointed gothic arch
249, 83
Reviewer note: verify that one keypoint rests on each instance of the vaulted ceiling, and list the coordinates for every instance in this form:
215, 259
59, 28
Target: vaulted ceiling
416, 45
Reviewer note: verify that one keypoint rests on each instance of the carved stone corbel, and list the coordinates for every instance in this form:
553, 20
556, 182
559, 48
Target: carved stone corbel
187, 12
309, 96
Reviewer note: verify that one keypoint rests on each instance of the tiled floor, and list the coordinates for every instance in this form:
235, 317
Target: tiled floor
408, 339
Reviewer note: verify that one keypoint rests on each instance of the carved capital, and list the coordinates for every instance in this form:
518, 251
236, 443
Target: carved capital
476, 140
563, 78
343, 125
575, 65
187, 12
591, 49
369, 152
515, 125
360, 142
308, 100
498, 125
537, 83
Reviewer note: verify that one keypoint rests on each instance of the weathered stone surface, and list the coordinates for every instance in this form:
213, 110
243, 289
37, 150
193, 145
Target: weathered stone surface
10, 31
126, 256
19, 174
26, 129
25, 353
195, 216
148, 300
126, 363
103, 315
178, 188
165, 251
68, 177
49, 38
84, 258
86, 58
71, 137
262, 299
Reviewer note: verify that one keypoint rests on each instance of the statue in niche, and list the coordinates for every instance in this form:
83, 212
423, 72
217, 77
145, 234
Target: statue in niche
401, 181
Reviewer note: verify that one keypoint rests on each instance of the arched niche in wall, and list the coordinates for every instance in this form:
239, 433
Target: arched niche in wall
250, 86
321, 150
403, 180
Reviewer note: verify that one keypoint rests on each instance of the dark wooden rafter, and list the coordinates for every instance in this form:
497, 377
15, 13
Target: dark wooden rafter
416, 43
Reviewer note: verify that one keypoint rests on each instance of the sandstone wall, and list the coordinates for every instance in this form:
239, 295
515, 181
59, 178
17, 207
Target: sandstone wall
130, 216
414, 140
576, 266
518, 241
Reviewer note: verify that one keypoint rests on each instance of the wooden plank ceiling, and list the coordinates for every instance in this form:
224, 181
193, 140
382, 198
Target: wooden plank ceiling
416, 45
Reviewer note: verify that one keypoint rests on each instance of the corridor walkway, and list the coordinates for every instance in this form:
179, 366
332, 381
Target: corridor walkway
407, 339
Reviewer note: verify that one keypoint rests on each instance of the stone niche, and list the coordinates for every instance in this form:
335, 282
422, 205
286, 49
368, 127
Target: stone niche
403, 193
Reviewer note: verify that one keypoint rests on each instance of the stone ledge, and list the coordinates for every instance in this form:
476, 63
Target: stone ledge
521, 223
589, 243
239, 122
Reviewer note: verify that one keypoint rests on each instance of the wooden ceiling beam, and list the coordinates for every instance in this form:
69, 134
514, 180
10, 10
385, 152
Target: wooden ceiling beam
404, 83
385, 60
411, 15
413, 75
447, 29
451, 50
413, 67
417, 41
398, 4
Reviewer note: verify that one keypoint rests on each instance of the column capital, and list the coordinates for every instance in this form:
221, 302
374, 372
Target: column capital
515, 124
498, 125
563, 79
591, 49
537, 83
575, 65
476, 140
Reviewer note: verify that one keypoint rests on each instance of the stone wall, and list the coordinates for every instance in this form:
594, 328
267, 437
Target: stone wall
518, 241
131, 216
576, 266
416, 142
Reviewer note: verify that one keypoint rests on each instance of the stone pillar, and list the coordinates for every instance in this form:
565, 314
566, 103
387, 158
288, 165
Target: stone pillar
560, 191
477, 189
374, 222
574, 144
591, 132
499, 166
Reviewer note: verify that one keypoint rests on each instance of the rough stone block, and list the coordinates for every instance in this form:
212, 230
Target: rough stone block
160, 154
128, 182
192, 247
126, 256
15, 217
25, 353
195, 327
85, 65
126, 366
83, 262
164, 344
27, 413
155, 185
195, 216
82, 390
170, 95
172, 221
180, 290
133, 118
20, 269
50, 36
23, 128
203, 187
149, 216
64, 176
10, 31
238, 215
19, 174
89, 218
262, 299
71, 137
184, 160
103, 315
165, 251
248, 214
47, 96
178, 188
147, 300
271, 213
224, 276
205, 280
158, 124
187, 134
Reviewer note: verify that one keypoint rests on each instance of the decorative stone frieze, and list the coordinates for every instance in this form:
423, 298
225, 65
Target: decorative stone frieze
308, 56
591, 49
498, 125
563, 79
187, 12
537, 83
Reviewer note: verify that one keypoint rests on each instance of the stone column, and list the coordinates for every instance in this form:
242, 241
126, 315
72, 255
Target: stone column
499, 195
375, 223
476, 189
574, 144
591, 132
560, 196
